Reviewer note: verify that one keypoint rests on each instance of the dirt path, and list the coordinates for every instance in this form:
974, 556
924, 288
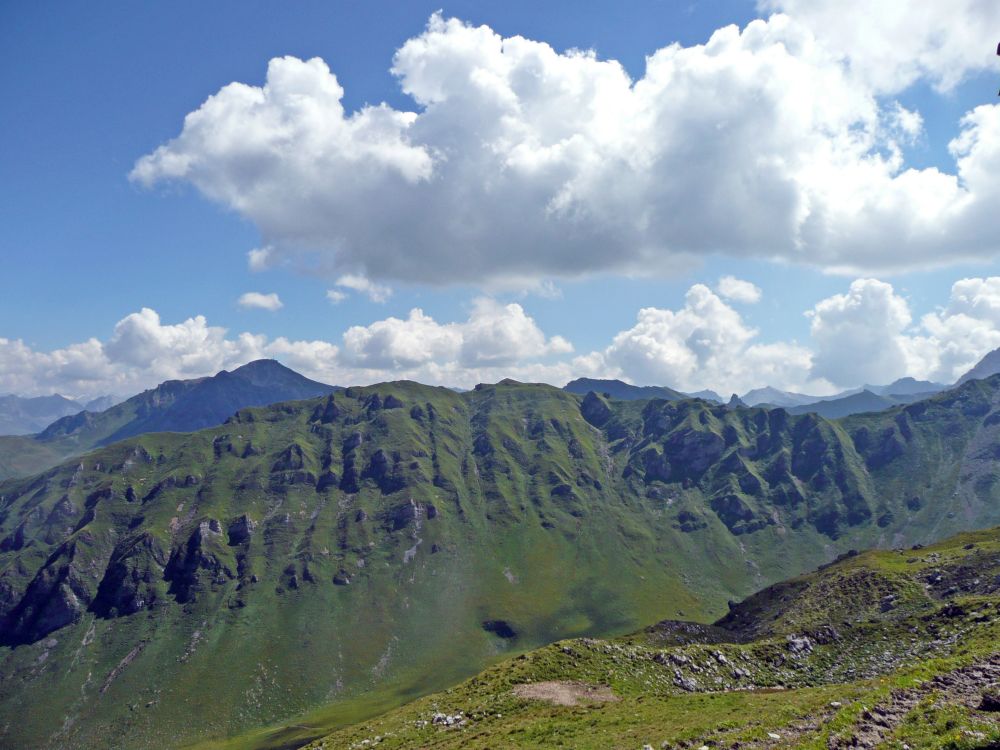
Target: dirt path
565, 693
962, 686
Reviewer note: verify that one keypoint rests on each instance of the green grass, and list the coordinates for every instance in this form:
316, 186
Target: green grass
813, 704
557, 526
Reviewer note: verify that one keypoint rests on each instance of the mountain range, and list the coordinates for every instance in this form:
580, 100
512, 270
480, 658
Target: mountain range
174, 406
363, 547
854, 401
25, 416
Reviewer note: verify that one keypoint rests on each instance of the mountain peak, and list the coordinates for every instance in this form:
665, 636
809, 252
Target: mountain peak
988, 365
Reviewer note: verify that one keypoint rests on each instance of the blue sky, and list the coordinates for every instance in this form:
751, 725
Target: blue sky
90, 90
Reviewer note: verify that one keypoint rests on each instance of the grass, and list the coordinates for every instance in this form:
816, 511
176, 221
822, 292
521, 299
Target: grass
813, 705
558, 527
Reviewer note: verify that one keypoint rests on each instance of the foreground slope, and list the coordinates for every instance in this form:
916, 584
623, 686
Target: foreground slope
895, 648
366, 547
174, 406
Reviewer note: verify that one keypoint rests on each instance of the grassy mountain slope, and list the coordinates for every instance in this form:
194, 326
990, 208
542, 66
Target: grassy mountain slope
173, 406
361, 549
882, 648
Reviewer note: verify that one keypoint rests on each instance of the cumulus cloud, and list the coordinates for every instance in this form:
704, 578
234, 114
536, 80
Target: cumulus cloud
738, 290
858, 335
704, 344
335, 296
891, 45
495, 335
260, 301
958, 335
518, 162
374, 292
495, 341
868, 333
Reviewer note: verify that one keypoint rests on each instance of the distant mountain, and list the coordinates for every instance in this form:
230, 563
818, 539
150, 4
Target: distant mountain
906, 387
101, 403
173, 406
623, 391
852, 401
25, 416
707, 395
856, 403
988, 365
773, 397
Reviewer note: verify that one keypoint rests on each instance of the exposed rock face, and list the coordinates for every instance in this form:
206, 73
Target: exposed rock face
595, 409
737, 515
291, 459
328, 413
990, 700
404, 514
799, 644
690, 452
383, 468
240, 530
133, 579
56, 597
198, 563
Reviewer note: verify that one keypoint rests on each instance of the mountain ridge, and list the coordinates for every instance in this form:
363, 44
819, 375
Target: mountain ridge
511, 515
172, 406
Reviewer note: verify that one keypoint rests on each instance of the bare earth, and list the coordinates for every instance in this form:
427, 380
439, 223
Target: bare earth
565, 693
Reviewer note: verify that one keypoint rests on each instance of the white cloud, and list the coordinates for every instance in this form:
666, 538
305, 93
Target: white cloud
705, 344
522, 163
891, 45
859, 335
495, 335
495, 341
909, 124
335, 296
259, 259
260, 301
866, 334
958, 335
738, 290
374, 292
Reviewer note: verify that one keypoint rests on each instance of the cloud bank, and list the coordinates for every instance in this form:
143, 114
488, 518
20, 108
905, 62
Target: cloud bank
782, 140
866, 334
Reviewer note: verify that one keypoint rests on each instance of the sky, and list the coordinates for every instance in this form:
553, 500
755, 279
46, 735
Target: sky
725, 195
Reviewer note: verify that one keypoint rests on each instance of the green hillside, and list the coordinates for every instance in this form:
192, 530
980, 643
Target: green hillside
890, 649
358, 550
